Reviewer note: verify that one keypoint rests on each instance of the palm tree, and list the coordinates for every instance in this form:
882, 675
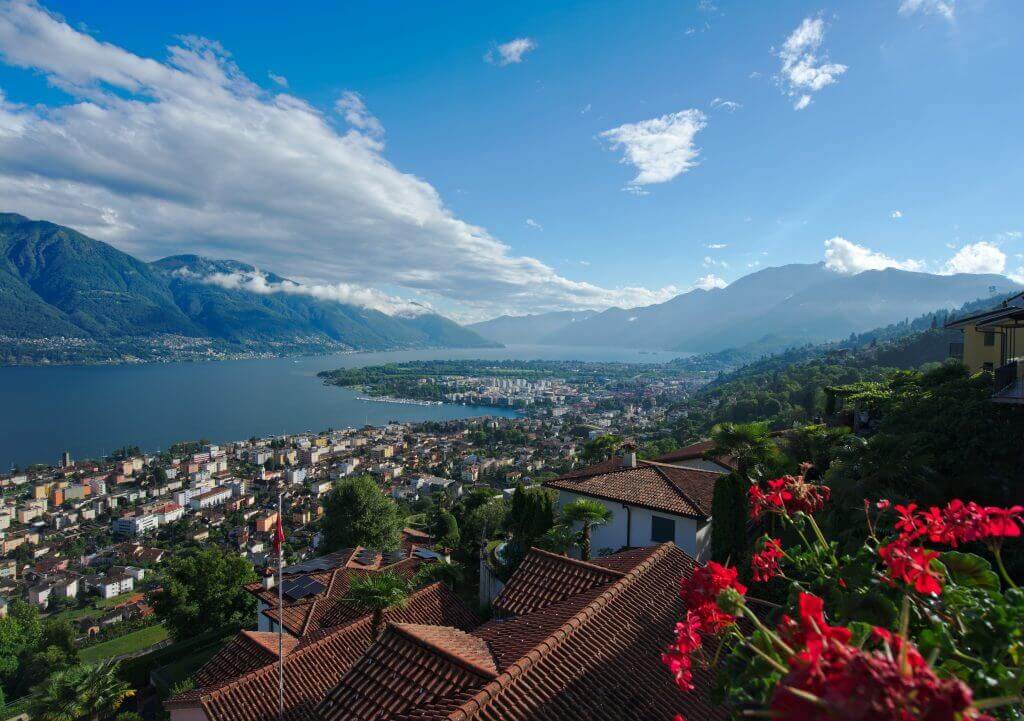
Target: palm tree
590, 513
86, 691
378, 592
749, 443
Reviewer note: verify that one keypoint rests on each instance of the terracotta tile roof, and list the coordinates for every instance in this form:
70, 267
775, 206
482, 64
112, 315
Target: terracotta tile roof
660, 487
316, 663
695, 451
593, 655
544, 578
410, 666
602, 663
247, 651
328, 608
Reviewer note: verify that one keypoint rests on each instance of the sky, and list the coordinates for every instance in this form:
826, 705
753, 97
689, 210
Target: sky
515, 157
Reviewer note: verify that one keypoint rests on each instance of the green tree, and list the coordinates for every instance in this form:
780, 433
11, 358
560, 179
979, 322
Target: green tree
601, 448
590, 514
729, 513
203, 590
446, 529
84, 692
378, 592
357, 513
20, 633
531, 514
450, 574
749, 443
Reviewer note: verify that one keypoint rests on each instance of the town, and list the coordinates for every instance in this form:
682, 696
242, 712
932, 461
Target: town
84, 540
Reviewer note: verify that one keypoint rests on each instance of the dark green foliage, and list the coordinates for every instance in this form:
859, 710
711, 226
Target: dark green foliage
203, 590
446, 530
531, 514
450, 574
730, 512
940, 437
601, 448
357, 513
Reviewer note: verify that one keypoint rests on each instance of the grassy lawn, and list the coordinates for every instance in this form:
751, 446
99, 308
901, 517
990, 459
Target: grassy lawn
177, 671
94, 609
135, 641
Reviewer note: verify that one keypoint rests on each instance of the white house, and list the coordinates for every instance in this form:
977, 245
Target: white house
112, 585
651, 502
135, 524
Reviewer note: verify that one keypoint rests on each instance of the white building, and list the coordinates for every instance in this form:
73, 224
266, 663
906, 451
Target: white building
112, 585
216, 497
135, 525
650, 501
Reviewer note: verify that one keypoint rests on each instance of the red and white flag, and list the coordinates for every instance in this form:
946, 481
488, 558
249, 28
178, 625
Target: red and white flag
278, 535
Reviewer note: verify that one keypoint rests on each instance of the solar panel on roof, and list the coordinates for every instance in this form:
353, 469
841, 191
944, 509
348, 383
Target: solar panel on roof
393, 557
301, 587
426, 553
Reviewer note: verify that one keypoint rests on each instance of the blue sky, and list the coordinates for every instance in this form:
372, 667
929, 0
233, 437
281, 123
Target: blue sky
407, 158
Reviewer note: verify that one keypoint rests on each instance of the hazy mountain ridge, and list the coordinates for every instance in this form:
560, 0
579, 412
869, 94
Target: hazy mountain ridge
528, 329
55, 281
781, 306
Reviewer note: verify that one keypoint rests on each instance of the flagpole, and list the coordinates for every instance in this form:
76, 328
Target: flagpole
280, 612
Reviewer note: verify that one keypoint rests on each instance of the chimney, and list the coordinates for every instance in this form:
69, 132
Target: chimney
629, 455
269, 581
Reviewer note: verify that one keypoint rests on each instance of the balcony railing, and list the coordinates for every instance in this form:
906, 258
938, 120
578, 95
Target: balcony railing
1008, 384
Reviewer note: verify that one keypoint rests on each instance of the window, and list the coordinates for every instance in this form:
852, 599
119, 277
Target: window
990, 338
662, 529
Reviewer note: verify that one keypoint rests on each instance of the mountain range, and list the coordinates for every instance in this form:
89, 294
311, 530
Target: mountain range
58, 283
771, 309
65, 297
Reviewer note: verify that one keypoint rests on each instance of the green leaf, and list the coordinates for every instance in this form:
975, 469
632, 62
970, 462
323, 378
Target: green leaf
970, 570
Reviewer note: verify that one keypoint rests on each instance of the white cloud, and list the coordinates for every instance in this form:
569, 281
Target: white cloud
707, 282
803, 72
659, 148
510, 52
896, 214
351, 107
729, 105
279, 79
534, 224
716, 246
945, 8
844, 256
709, 262
187, 154
257, 282
585, 109
979, 257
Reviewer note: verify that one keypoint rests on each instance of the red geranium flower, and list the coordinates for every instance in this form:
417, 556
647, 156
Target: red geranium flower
912, 565
700, 593
788, 494
765, 563
1002, 522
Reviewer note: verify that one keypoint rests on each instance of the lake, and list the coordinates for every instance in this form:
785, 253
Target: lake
93, 410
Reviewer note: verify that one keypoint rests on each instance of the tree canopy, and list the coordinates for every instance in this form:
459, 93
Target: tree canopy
203, 590
357, 513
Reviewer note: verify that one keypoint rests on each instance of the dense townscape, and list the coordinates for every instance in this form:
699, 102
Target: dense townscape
103, 558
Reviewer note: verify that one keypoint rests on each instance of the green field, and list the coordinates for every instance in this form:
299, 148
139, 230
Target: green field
135, 641
94, 609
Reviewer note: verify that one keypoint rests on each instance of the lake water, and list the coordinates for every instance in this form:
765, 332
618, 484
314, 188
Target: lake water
93, 410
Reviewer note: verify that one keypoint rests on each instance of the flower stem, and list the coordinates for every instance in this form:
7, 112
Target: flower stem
1002, 568
772, 636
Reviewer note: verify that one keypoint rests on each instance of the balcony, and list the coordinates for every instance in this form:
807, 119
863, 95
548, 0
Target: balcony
1008, 386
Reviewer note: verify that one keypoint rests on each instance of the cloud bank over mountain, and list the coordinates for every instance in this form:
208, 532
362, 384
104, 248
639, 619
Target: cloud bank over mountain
189, 155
